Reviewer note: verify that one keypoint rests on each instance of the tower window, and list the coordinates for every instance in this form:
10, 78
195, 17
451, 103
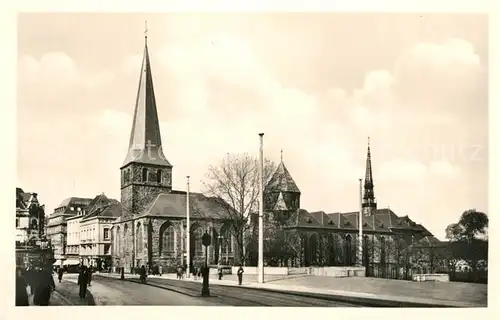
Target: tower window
158, 176
144, 174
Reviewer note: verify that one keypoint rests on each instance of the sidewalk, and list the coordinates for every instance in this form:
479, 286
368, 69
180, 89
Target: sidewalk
370, 291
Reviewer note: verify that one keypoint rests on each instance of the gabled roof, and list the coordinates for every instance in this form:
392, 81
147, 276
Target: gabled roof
428, 242
305, 219
341, 222
370, 223
145, 144
280, 204
68, 202
111, 210
174, 205
281, 180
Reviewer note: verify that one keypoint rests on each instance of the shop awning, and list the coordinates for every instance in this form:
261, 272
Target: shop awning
57, 263
71, 262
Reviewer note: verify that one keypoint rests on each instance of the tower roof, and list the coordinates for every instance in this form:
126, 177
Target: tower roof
281, 181
145, 140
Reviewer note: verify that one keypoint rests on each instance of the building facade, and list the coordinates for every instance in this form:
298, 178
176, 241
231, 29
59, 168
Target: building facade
30, 217
151, 229
73, 239
95, 232
57, 225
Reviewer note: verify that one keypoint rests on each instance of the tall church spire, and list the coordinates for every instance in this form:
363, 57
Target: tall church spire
145, 144
369, 202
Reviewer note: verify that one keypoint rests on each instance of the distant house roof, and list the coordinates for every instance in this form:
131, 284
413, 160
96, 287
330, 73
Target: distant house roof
68, 202
110, 210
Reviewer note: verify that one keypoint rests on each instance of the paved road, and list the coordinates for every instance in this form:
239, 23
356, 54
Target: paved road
221, 295
106, 291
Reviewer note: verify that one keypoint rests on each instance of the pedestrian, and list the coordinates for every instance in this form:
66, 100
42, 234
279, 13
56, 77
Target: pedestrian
142, 274
219, 270
60, 273
21, 289
160, 269
89, 276
199, 272
122, 276
240, 274
83, 281
45, 287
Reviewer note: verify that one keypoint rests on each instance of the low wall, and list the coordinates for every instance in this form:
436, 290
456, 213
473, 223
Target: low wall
438, 277
267, 270
317, 271
337, 271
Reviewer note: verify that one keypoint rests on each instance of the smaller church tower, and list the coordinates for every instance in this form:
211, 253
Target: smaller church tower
281, 194
146, 172
369, 203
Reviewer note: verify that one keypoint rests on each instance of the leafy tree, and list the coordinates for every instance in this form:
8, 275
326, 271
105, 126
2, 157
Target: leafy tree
467, 239
234, 185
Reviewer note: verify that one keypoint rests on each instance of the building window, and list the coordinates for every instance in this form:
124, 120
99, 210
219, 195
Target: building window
198, 243
158, 176
139, 240
17, 222
72, 208
106, 233
144, 174
169, 239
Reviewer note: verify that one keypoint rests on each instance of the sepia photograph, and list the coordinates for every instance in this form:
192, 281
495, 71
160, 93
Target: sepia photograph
252, 159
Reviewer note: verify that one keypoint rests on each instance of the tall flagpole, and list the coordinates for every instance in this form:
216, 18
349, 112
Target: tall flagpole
261, 209
188, 236
360, 222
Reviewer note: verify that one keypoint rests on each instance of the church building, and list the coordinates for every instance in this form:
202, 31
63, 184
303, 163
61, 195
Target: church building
151, 229
332, 239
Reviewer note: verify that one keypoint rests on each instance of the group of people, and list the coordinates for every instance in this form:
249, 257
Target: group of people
34, 281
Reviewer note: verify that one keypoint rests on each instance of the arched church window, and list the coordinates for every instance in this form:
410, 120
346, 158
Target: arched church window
199, 246
34, 224
348, 250
125, 235
382, 250
158, 176
144, 174
169, 239
117, 240
139, 239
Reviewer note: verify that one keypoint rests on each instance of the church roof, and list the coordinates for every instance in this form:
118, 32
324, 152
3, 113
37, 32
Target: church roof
145, 144
174, 205
281, 180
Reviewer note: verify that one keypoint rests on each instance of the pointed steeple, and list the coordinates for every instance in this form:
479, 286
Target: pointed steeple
145, 144
281, 180
369, 202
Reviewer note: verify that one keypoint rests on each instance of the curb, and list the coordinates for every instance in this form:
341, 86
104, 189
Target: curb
63, 298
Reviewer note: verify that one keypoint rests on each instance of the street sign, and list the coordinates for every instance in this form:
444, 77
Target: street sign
206, 239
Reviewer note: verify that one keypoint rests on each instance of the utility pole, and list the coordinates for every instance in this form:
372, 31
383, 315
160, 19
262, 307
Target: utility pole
360, 242
261, 209
188, 236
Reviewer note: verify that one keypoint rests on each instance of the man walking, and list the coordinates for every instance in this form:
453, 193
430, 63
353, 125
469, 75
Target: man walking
21, 289
89, 275
83, 281
240, 274
60, 273
45, 287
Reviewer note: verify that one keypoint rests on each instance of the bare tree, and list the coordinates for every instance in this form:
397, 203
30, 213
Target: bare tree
234, 186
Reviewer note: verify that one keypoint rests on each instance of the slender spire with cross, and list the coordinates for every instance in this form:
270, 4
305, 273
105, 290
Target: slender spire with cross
369, 202
281, 155
146, 30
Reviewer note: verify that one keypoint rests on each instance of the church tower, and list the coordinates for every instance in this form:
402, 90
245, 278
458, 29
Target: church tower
146, 172
369, 203
281, 194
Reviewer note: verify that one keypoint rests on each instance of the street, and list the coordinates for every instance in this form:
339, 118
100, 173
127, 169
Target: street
169, 292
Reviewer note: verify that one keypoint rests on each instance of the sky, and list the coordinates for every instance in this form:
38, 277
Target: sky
318, 85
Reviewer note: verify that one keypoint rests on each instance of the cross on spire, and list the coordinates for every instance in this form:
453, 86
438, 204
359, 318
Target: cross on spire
281, 155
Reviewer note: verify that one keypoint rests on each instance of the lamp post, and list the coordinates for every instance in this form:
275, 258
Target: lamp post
360, 242
261, 209
188, 236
